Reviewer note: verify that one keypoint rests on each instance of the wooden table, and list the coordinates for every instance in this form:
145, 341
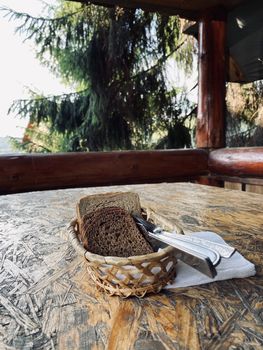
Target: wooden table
47, 300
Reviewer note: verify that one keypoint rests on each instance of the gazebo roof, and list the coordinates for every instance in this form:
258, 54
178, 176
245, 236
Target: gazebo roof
184, 8
244, 41
244, 28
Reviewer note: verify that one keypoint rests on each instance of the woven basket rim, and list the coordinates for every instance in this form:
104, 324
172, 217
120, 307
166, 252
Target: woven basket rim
73, 238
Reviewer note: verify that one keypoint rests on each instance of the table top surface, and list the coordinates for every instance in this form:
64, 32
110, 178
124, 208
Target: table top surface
47, 300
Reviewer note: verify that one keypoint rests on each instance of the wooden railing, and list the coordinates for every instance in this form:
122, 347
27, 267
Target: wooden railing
238, 162
32, 172
22, 173
237, 168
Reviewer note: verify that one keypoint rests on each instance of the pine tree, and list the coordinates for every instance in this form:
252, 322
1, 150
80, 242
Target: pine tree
116, 59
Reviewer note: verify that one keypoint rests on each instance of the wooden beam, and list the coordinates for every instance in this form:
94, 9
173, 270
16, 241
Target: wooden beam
189, 9
210, 131
30, 172
240, 162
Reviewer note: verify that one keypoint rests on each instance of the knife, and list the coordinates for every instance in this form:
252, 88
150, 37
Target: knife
193, 257
224, 250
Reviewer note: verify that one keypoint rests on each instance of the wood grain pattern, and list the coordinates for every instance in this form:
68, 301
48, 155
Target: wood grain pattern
47, 300
210, 129
31, 172
242, 162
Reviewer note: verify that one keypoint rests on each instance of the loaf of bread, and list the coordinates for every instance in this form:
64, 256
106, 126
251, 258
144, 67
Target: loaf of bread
112, 231
129, 201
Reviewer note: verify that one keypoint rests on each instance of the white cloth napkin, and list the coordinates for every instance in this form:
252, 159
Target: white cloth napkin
234, 267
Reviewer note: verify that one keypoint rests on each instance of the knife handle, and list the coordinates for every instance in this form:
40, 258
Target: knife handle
195, 247
225, 251
196, 260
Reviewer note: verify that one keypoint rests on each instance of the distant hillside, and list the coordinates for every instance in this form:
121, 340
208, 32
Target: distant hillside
5, 146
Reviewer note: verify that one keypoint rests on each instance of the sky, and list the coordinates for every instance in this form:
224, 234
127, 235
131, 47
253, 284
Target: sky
20, 71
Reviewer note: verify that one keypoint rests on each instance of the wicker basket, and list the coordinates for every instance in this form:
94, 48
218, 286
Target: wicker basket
132, 276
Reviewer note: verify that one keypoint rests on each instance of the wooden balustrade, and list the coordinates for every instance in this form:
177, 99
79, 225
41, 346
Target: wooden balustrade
237, 168
238, 162
30, 172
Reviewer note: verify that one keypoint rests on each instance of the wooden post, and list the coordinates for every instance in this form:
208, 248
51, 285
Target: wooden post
210, 131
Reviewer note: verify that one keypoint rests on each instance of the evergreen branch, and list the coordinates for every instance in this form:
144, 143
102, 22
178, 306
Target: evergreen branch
192, 88
37, 145
189, 115
33, 32
12, 13
54, 97
161, 61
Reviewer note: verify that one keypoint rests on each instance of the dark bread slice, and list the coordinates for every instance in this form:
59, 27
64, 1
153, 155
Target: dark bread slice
129, 201
112, 231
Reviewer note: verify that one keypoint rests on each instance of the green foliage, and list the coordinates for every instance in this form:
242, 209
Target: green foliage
116, 59
253, 97
40, 139
244, 127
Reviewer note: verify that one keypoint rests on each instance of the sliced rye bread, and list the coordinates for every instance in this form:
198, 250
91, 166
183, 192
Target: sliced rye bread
112, 231
129, 201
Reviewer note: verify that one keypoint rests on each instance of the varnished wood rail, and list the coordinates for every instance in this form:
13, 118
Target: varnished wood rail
31, 172
238, 162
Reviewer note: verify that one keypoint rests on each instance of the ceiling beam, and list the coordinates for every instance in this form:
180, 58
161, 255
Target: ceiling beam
189, 9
